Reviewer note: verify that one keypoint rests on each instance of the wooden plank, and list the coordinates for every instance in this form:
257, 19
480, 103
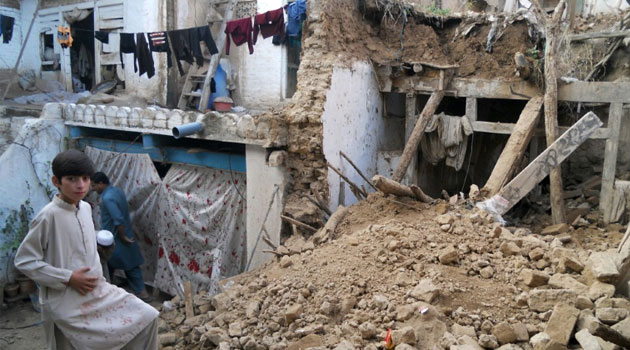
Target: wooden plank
537, 170
108, 24
188, 300
507, 128
599, 35
471, 109
515, 147
610, 161
579, 91
410, 120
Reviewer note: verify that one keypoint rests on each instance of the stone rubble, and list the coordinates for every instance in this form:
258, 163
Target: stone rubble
481, 288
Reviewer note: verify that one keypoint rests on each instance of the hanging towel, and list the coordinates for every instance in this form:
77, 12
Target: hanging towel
197, 35
64, 36
102, 36
241, 32
296, 13
145, 58
6, 27
128, 45
158, 42
446, 137
269, 24
180, 40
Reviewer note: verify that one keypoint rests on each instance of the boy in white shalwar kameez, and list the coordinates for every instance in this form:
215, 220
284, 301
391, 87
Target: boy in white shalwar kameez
80, 309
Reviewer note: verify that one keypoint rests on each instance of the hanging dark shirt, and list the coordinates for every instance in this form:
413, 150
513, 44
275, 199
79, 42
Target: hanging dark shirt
180, 40
145, 58
197, 35
102, 36
158, 42
241, 32
128, 45
269, 24
7, 28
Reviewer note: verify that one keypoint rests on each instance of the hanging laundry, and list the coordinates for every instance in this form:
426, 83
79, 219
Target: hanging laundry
241, 32
269, 24
197, 35
128, 45
145, 58
296, 13
180, 40
102, 36
64, 36
158, 42
446, 137
6, 28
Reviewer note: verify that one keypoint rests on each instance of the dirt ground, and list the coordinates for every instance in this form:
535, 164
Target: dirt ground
20, 328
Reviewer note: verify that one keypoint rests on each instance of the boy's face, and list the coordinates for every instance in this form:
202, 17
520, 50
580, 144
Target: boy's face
72, 188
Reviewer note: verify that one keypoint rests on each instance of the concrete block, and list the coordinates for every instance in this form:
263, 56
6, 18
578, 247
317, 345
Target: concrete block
561, 323
603, 267
534, 278
600, 289
545, 299
587, 340
564, 281
611, 315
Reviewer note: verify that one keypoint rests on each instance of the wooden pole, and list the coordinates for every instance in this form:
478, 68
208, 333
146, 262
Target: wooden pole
610, 161
329, 229
298, 223
514, 148
389, 186
357, 169
345, 178
411, 147
552, 44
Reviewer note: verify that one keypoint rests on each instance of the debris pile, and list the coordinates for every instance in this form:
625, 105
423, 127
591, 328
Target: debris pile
439, 276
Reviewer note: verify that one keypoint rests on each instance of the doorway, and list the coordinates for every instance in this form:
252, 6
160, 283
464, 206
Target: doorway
82, 54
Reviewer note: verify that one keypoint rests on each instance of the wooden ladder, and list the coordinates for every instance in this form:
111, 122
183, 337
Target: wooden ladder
196, 79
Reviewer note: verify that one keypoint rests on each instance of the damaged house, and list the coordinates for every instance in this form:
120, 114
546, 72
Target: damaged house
454, 171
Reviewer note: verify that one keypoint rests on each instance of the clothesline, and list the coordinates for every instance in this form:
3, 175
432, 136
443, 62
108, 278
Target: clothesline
184, 43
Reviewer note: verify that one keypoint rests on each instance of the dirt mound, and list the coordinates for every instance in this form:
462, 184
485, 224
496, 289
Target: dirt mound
437, 275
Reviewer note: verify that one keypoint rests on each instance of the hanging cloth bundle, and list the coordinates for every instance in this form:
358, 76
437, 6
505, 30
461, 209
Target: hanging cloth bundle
64, 36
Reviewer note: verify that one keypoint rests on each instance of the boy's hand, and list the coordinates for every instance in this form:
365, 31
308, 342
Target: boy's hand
81, 282
126, 239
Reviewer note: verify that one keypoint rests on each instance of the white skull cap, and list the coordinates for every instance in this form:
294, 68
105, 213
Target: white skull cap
104, 238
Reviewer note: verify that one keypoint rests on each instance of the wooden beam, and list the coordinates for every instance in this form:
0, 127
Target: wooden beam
411, 118
579, 91
558, 211
610, 161
599, 35
550, 158
411, 147
298, 223
515, 147
508, 128
188, 300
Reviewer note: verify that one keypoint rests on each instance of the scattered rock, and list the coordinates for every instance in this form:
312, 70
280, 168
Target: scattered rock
488, 341
602, 265
425, 291
587, 340
449, 256
542, 300
561, 323
504, 333
406, 335
534, 278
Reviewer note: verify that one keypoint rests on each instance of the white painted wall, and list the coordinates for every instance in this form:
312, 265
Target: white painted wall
262, 76
140, 16
353, 124
261, 181
9, 52
146, 16
21, 180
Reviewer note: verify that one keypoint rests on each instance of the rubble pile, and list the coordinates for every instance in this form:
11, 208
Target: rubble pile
438, 276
